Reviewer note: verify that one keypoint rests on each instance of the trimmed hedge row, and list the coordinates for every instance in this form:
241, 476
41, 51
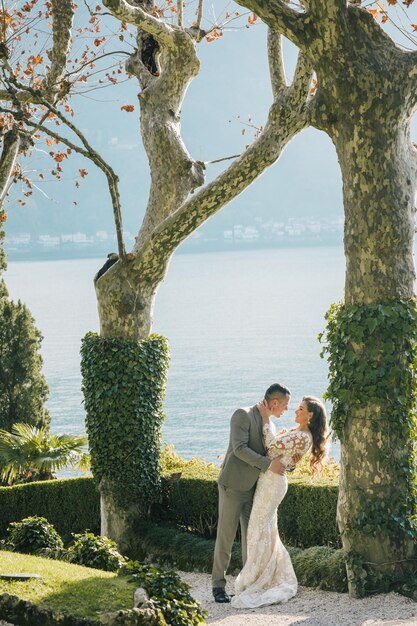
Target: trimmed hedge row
307, 516
72, 504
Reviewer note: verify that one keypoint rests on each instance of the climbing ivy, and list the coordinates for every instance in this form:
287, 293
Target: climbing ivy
124, 385
372, 357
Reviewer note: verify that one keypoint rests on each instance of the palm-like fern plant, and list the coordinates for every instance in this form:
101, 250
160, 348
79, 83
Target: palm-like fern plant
28, 453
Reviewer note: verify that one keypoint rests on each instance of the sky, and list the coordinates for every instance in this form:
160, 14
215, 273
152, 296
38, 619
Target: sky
233, 86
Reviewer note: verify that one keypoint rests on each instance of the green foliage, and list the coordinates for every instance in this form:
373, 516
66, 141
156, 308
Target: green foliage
320, 567
170, 546
372, 355
70, 504
65, 588
34, 535
168, 593
28, 453
191, 501
23, 389
123, 385
330, 470
190, 492
307, 515
3, 264
95, 551
371, 580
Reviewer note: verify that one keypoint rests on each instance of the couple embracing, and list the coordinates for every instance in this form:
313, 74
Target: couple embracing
252, 483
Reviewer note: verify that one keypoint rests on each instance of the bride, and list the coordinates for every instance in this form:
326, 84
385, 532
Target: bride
268, 576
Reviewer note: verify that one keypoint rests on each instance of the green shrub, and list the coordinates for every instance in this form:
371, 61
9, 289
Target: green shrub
319, 566
190, 493
306, 517
95, 551
168, 593
34, 535
169, 546
23, 388
70, 504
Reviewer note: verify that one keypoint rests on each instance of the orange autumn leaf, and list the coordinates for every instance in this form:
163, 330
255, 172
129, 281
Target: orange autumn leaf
374, 12
252, 19
414, 27
83, 173
3, 216
215, 34
5, 18
128, 108
48, 142
60, 156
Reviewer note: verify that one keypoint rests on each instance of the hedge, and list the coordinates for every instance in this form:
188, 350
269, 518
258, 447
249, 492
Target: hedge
307, 516
70, 504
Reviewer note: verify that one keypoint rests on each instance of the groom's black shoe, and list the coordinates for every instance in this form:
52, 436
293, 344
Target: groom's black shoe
220, 595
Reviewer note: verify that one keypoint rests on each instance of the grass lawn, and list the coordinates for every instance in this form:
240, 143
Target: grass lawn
74, 589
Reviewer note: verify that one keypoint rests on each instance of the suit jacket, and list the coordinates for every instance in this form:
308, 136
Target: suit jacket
245, 457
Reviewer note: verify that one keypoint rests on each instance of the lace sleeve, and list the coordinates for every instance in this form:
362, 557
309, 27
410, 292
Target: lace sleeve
290, 443
269, 435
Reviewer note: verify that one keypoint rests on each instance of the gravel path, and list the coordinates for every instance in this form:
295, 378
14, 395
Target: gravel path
309, 608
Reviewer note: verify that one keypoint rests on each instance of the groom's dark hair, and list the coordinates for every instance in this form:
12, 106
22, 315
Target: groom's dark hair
276, 388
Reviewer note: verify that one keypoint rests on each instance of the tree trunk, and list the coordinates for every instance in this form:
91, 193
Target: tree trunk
124, 303
379, 178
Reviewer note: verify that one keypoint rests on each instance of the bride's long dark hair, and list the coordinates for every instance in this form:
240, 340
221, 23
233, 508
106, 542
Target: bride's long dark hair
318, 429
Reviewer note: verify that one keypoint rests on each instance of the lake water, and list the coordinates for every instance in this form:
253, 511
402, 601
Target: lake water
236, 322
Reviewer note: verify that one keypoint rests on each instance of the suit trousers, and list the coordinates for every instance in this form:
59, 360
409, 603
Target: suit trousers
234, 507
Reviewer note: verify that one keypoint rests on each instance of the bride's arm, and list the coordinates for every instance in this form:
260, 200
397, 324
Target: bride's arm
293, 441
267, 428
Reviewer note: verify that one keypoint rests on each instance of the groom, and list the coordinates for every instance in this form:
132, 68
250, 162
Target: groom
245, 459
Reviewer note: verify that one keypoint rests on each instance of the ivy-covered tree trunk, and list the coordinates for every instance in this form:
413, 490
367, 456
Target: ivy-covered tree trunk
376, 422
164, 64
377, 497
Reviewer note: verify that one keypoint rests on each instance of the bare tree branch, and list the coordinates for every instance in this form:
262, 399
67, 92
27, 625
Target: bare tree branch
199, 13
276, 62
278, 15
137, 16
287, 117
88, 152
112, 178
180, 9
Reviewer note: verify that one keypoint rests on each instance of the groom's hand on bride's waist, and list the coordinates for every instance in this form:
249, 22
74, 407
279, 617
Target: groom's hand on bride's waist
277, 467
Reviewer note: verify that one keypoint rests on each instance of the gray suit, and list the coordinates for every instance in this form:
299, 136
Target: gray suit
245, 459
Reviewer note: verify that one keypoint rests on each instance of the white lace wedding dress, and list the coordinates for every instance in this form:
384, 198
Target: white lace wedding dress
268, 576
